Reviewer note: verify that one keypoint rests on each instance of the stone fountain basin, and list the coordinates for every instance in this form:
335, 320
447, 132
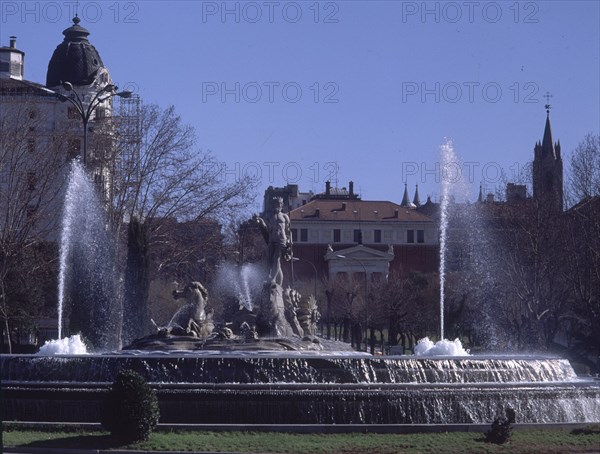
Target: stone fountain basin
304, 388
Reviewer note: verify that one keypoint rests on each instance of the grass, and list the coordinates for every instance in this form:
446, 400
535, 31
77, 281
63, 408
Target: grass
523, 441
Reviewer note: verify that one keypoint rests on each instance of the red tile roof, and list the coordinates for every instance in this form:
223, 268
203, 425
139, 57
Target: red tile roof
356, 210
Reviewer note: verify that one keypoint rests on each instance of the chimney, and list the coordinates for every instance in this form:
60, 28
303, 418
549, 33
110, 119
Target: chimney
343, 206
351, 188
317, 212
327, 187
12, 61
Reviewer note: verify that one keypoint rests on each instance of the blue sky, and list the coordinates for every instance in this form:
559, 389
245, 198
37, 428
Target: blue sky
306, 91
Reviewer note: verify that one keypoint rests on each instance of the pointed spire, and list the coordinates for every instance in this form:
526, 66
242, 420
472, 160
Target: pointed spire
417, 199
405, 199
480, 198
547, 143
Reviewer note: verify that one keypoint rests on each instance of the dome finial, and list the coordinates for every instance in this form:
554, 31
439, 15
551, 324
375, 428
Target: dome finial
76, 19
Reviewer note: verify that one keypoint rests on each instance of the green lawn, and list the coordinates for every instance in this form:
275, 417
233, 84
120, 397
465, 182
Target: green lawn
523, 441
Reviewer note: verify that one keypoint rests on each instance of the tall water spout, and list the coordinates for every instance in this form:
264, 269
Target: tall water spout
86, 270
447, 156
453, 186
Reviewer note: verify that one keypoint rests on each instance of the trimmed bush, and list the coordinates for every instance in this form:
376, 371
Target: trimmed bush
130, 411
501, 428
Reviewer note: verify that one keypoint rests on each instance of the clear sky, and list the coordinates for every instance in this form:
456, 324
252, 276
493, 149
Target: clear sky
306, 91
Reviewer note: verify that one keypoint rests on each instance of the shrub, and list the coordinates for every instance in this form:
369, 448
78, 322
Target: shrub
501, 430
130, 411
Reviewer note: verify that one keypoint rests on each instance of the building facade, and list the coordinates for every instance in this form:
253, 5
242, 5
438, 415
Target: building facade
336, 232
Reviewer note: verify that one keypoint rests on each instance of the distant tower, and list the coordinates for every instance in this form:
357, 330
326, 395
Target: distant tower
548, 170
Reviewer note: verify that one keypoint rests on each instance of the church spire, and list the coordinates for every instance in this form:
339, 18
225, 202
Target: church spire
548, 168
405, 199
417, 199
547, 143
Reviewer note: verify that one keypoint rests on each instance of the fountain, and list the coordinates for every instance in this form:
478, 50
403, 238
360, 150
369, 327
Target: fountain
86, 241
281, 375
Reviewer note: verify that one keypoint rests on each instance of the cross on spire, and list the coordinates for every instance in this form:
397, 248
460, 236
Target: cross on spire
548, 106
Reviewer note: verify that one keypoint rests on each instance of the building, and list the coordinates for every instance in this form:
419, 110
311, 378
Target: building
290, 194
41, 134
336, 232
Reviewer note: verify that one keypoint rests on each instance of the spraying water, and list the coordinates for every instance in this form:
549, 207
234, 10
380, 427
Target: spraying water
453, 186
86, 275
447, 158
72, 345
242, 282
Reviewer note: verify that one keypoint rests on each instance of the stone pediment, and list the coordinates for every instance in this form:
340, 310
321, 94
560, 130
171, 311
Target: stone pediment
359, 259
360, 252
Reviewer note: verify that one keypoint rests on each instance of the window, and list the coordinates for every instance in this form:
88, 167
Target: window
303, 234
377, 236
358, 236
294, 235
337, 235
410, 236
420, 236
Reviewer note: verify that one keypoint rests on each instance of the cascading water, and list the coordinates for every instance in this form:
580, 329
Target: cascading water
280, 388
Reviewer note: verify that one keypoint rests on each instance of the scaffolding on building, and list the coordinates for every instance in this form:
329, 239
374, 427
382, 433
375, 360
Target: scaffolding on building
129, 126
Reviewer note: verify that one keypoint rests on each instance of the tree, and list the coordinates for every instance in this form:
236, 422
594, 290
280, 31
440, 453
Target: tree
33, 171
584, 175
581, 257
530, 248
169, 184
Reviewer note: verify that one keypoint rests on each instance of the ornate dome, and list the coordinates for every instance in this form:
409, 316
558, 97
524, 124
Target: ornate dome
75, 60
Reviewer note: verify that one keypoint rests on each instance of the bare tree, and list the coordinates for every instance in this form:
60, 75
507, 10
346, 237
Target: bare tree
581, 259
584, 175
530, 249
170, 182
33, 170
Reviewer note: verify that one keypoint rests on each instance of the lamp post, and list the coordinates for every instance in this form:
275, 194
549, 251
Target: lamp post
366, 293
85, 110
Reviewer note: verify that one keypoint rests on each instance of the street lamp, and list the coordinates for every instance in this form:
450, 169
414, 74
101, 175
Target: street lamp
85, 110
366, 292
